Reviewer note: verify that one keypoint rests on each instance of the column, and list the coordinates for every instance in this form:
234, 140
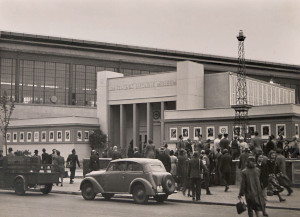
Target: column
122, 126
136, 127
162, 122
149, 121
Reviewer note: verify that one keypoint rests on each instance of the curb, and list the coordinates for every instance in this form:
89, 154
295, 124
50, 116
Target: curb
179, 201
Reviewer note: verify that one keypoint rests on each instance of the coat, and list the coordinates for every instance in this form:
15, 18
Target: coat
224, 144
251, 187
74, 159
195, 168
280, 161
264, 174
166, 160
59, 164
243, 159
225, 164
94, 162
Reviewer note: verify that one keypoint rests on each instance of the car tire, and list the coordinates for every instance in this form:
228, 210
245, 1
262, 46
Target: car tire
139, 194
19, 186
107, 196
87, 191
160, 198
168, 184
47, 189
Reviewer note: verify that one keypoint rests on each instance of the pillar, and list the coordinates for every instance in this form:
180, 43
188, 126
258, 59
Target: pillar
122, 126
136, 127
162, 122
149, 121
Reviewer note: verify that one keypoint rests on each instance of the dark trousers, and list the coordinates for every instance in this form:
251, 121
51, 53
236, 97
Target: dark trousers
206, 179
226, 177
72, 171
196, 187
252, 206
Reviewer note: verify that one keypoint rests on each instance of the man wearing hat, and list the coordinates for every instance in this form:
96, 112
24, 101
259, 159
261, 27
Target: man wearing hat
10, 153
37, 161
73, 159
195, 169
94, 161
224, 143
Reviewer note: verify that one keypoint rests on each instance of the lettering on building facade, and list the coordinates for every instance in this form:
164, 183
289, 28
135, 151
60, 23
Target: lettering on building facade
142, 85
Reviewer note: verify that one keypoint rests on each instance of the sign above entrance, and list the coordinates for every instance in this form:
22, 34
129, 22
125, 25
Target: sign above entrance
151, 84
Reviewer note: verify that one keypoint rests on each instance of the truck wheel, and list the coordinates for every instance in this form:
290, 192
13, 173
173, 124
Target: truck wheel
107, 196
139, 194
168, 184
19, 186
160, 198
47, 189
87, 191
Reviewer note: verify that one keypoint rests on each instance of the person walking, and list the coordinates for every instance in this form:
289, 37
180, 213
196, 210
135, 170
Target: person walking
59, 163
206, 174
195, 169
251, 188
225, 168
72, 160
181, 168
256, 143
261, 164
94, 161
218, 156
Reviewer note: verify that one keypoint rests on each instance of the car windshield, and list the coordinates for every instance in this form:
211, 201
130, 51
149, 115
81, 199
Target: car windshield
157, 168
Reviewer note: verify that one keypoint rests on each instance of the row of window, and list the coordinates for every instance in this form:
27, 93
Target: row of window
44, 136
210, 131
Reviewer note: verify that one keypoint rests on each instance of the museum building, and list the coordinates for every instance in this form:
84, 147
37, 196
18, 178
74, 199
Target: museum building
65, 88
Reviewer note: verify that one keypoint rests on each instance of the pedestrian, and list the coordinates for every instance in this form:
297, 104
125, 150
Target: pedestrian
243, 159
10, 152
52, 159
174, 161
136, 153
235, 148
72, 160
216, 144
60, 166
150, 150
45, 160
199, 146
286, 149
94, 164
225, 168
36, 159
206, 173
218, 156
165, 159
181, 168
280, 142
270, 145
294, 150
224, 143
188, 147
180, 143
256, 143
130, 150
251, 188
261, 164
243, 144
115, 153
195, 169
167, 150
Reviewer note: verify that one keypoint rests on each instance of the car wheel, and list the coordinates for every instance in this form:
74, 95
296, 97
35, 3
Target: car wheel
160, 198
107, 196
87, 191
47, 189
19, 186
168, 184
139, 194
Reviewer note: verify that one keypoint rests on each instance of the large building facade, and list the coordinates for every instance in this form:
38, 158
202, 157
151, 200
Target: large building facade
54, 84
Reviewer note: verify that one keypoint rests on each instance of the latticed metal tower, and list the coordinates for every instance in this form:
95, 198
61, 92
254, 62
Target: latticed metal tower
241, 108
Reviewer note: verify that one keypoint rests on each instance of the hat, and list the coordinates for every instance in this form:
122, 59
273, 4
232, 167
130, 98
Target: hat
73, 150
36, 151
10, 149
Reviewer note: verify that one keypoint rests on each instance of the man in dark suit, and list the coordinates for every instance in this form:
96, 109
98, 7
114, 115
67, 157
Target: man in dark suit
74, 159
195, 169
224, 143
225, 168
165, 159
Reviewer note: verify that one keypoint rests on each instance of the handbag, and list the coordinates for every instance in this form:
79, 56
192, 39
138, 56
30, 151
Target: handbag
69, 164
241, 206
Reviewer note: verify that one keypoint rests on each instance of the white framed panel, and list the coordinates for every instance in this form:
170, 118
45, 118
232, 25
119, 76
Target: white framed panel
236, 131
210, 132
280, 130
8, 137
251, 130
67, 135
79, 135
297, 130
43, 136
185, 132
15, 137
21, 136
173, 133
29, 137
59, 136
223, 130
86, 135
197, 132
51, 136
36, 136
265, 131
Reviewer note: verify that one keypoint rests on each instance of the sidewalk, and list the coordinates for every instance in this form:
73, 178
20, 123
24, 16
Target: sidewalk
219, 197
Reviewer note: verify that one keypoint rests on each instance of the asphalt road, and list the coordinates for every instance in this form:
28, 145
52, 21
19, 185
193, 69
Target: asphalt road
60, 205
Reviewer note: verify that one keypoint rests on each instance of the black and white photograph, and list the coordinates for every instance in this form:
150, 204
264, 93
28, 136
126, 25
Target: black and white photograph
102, 104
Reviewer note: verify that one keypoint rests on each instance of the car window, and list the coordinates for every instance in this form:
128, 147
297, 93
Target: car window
157, 168
134, 167
118, 166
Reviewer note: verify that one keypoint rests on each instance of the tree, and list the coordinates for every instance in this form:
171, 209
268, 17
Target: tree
6, 108
98, 140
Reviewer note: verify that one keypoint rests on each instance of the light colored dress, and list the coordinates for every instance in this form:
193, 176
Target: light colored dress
174, 161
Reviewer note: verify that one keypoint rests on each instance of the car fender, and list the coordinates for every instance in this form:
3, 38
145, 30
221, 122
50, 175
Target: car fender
96, 185
147, 185
24, 180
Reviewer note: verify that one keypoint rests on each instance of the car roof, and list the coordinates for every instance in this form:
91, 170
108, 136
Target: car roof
138, 160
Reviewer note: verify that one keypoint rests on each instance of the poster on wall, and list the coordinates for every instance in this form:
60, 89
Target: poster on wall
36, 136
67, 135
197, 132
210, 133
29, 136
173, 133
265, 131
297, 130
223, 129
280, 130
79, 135
86, 135
51, 136
43, 136
59, 136
21, 136
8, 135
236, 130
251, 130
185, 133
15, 137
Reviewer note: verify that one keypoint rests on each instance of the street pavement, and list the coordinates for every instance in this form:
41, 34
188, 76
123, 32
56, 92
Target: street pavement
219, 197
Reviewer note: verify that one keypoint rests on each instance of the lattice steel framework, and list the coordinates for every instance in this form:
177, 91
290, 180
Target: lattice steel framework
241, 108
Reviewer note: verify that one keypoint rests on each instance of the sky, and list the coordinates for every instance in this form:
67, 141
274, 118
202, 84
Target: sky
271, 27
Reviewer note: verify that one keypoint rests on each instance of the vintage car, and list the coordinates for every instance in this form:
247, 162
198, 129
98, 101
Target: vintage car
141, 177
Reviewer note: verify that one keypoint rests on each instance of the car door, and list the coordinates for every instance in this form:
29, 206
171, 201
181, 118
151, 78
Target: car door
134, 170
114, 177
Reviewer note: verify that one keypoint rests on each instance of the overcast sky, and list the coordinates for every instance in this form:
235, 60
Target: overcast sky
272, 27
